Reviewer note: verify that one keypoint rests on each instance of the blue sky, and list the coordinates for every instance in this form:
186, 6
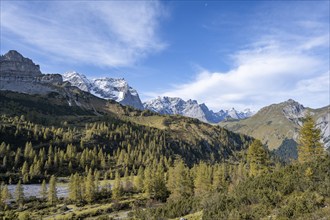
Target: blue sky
242, 54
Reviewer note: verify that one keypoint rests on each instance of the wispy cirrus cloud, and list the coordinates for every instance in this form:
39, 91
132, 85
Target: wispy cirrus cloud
105, 33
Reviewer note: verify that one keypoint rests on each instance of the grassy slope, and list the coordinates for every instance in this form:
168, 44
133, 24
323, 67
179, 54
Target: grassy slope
270, 125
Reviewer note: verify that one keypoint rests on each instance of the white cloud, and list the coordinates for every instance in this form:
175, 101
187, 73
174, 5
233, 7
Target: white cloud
106, 33
320, 41
261, 75
315, 90
317, 84
286, 56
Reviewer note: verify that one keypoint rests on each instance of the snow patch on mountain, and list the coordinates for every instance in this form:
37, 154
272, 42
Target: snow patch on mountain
78, 80
106, 88
233, 113
191, 108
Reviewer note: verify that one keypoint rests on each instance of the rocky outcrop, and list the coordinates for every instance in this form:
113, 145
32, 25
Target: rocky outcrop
50, 78
294, 111
13, 63
21, 74
322, 122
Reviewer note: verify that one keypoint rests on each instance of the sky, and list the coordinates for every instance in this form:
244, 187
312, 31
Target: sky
242, 54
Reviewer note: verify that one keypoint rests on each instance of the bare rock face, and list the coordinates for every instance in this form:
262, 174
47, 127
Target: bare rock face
51, 78
13, 63
20, 74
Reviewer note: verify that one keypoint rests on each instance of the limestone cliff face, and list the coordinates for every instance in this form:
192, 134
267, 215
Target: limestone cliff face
50, 78
20, 74
14, 64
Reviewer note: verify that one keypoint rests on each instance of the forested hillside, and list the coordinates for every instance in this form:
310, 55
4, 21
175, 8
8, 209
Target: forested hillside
116, 130
115, 159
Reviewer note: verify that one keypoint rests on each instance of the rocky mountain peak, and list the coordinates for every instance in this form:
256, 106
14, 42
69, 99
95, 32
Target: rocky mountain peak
107, 88
192, 102
21, 74
13, 63
293, 110
191, 108
204, 107
12, 55
78, 80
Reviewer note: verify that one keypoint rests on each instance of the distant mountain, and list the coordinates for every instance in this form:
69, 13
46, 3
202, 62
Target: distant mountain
191, 108
78, 80
106, 88
278, 126
234, 114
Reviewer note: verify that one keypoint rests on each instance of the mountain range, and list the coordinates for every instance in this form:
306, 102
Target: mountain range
277, 125
119, 90
47, 100
20, 74
191, 108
